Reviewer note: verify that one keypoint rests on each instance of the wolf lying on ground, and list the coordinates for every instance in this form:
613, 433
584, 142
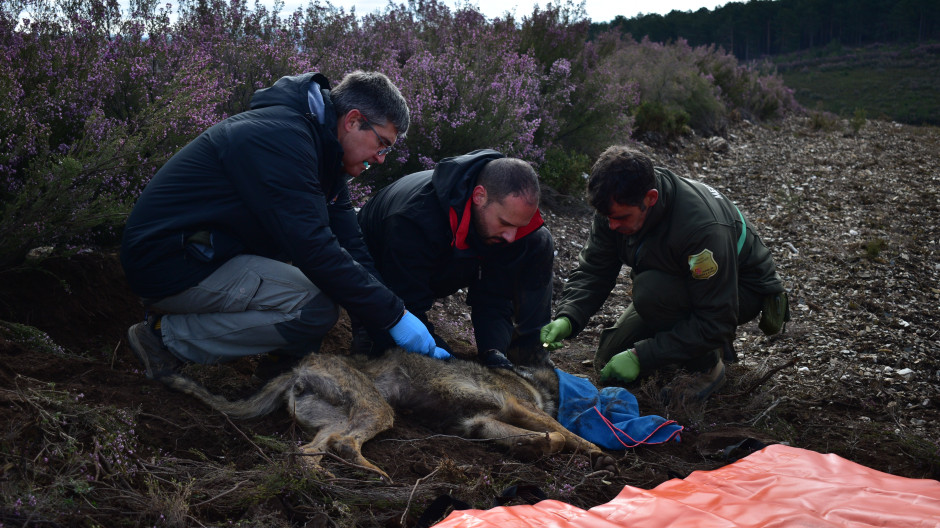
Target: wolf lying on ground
344, 401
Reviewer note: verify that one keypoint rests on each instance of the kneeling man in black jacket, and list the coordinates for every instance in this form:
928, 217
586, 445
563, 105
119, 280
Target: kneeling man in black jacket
473, 222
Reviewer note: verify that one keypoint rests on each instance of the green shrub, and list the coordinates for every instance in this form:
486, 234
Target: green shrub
857, 121
874, 247
656, 122
565, 171
820, 120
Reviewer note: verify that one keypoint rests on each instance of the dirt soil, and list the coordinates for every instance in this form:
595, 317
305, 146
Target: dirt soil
853, 224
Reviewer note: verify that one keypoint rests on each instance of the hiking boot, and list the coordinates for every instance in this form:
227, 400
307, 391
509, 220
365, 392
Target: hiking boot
697, 387
273, 365
708, 382
147, 345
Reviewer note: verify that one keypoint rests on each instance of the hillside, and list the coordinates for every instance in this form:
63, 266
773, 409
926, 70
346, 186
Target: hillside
853, 224
886, 82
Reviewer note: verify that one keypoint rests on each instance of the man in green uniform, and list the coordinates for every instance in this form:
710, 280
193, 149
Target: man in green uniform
698, 271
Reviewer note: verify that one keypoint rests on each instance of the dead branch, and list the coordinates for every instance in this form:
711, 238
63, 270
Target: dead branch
413, 490
763, 379
258, 449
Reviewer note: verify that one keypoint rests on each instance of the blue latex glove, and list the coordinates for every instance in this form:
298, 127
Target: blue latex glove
440, 353
624, 367
411, 334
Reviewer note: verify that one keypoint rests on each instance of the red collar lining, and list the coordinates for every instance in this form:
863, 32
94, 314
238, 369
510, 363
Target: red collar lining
461, 227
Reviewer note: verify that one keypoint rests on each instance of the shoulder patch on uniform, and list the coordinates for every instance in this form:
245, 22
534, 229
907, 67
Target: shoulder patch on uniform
703, 265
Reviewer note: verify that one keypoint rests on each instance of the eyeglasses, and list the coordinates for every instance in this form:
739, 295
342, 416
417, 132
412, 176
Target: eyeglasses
382, 141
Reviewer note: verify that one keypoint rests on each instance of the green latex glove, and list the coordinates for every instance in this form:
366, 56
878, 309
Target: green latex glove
624, 367
552, 333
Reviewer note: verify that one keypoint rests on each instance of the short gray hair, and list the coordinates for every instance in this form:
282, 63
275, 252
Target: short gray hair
376, 96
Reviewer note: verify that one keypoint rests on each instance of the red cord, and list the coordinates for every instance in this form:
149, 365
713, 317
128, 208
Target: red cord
614, 429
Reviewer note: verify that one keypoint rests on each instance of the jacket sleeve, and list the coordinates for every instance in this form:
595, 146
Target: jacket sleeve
408, 265
491, 310
713, 303
591, 282
345, 226
275, 173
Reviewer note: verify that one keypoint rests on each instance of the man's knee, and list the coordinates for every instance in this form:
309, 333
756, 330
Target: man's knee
312, 322
660, 299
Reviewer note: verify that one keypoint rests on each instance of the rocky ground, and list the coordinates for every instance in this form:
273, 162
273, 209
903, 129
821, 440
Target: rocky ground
853, 223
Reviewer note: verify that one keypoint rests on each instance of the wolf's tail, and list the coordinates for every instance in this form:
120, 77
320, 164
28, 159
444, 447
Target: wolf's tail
266, 400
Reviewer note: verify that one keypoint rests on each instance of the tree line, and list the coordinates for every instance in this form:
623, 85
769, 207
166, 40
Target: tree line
770, 27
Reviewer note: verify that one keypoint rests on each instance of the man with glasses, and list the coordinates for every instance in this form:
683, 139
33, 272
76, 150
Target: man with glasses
472, 222
246, 241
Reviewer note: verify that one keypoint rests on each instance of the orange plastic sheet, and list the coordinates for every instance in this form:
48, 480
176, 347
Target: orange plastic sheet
775, 487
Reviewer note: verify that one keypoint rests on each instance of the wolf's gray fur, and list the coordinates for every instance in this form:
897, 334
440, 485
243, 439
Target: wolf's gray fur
346, 400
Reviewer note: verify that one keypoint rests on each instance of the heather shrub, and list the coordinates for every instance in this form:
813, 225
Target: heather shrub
93, 101
587, 98
80, 448
857, 121
706, 83
92, 116
81, 194
466, 85
755, 90
672, 84
821, 120
244, 49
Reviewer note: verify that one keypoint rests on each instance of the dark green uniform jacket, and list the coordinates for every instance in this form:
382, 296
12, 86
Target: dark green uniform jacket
692, 233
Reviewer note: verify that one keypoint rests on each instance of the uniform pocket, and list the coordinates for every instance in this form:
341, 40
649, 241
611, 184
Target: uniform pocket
242, 292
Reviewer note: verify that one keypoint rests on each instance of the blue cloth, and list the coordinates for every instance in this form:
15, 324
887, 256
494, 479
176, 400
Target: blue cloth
609, 417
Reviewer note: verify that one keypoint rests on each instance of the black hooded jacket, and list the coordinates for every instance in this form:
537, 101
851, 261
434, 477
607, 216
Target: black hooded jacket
267, 182
420, 233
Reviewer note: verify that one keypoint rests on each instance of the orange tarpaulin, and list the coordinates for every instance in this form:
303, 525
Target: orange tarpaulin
775, 487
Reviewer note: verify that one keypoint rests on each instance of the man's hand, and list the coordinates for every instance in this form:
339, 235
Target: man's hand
411, 334
552, 333
624, 367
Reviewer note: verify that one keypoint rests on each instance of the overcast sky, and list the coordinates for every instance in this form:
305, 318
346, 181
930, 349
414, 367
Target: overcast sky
598, 10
